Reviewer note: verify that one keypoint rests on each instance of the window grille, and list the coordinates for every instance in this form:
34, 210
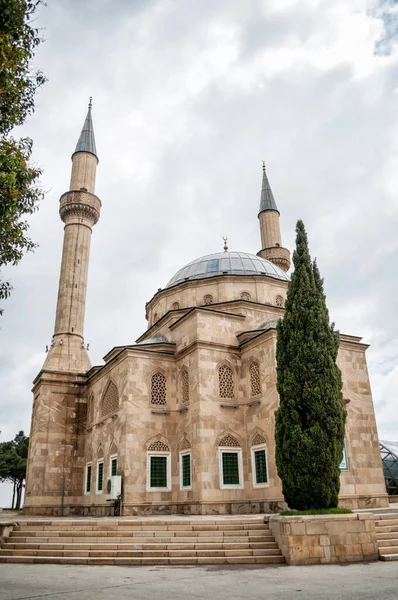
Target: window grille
279, 301
175, 305
186, 470
158, 471
208, 299
88, 479
114, 466
185, 384
110, 400
260, 462
226, 382
158, 446
90, 410
100, 476
158, 389
230, 441
245, 296
255, 380
258, 439
230, 468
185, 444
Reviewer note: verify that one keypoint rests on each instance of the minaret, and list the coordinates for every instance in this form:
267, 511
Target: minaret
271, 240
79, 210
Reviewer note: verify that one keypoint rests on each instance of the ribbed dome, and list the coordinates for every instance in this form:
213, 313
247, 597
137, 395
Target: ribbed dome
227, 263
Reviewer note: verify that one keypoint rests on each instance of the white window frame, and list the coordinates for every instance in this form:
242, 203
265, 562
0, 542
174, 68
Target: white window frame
254, 449
168, 472
221, 451
86, 493
97, 491
113, 457
187, 452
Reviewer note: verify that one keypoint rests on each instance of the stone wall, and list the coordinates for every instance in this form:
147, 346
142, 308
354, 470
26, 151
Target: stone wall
325, 539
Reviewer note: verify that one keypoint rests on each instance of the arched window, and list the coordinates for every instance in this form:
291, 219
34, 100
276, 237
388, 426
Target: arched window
184, 384
158, 389
158, 467
226, 382
110, 400
175, 305
255, 380
208, 299
279, 301
230, 463
259, 461
245, 296
90, 411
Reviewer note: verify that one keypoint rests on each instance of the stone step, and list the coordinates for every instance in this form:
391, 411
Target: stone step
110, 537
141, 541
387, 516
387, 523
114, 521
388, 550
139, 534
149, 531
387, 542
387, 529
159, 561
123, 527
144, 546
387, 536
389, 556
141, 553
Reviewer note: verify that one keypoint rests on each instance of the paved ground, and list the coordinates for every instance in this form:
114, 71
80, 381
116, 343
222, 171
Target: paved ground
329, 582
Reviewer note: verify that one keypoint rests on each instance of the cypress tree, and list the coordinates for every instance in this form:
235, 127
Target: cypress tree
310, 421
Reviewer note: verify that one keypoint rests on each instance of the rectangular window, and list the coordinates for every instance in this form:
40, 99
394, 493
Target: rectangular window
230, 468
113, 465
88, 478
158, 472
185, 470
100, 476
260, 462
259, 466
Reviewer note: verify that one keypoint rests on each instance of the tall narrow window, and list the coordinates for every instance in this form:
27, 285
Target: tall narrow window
100, 476
158, 389
185, 469
226, 382
113, 465
158, 467
259, 466
230, 463
90, 411
255, 381
88, 479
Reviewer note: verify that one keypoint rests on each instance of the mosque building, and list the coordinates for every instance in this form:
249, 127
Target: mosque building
184, 418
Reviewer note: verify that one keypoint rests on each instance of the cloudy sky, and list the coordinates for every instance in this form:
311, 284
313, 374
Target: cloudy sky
188, 98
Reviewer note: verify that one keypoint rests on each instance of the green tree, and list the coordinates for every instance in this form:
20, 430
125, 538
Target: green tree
20, 193
13, 461
310, 421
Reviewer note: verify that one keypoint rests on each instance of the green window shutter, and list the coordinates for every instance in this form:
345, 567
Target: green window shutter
114, 466
186, 470
88, 479
158, 471
230, 468
100, 477
260, 461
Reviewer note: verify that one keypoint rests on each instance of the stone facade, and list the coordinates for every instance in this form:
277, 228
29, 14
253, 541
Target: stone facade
199, 383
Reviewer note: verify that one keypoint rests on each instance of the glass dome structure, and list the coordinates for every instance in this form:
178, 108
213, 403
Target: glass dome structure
389, 457
227, 263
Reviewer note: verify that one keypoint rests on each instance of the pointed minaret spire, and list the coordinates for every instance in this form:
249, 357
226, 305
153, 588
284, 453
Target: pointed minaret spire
86, 141
270, 229
79, 210
267, 200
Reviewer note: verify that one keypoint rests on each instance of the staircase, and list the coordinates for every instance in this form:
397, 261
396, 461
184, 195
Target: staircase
387, 536
124, 541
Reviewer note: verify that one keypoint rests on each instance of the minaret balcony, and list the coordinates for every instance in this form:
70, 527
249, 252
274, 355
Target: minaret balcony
79, 203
